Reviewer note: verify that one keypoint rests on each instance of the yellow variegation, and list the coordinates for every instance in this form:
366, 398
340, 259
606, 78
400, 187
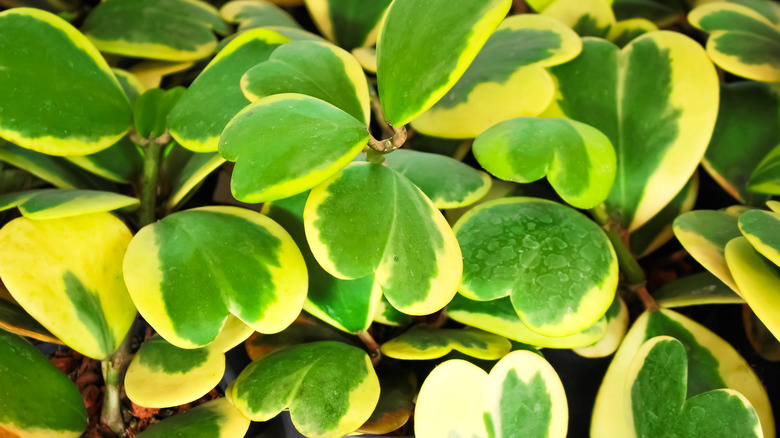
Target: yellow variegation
53, 204
421, 343
151, 73
586, 17
617, 326
215, 419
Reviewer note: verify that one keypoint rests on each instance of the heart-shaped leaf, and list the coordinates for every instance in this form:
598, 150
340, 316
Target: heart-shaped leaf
617, 326
286, 144
735, 152
422, 343
414, 74
522, 396
557, 266
502, 84
70, 103
330, 388
656, 100
348, 305
36, 399
316, 69
151, 109
251, 14
215, 419
587, 17
66, 274
53, 204
657, 405
579, 160
214, 262
695, 290
742, 41
215, 96
447, 182
367, 220
54, 170
704, 234
499, 316
712, 364
349, 23
171, 30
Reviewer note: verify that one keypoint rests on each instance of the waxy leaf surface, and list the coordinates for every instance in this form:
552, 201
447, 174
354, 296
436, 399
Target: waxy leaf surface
330, 388
391, 230
766, 175
657, 404
66, 273
36, 399
578, 159
349, 23
587, 17
195, 167
251, 14
315, 69
656, 100
557, 266
704, 234
694, 290
215, 419
59, 95
213, 262
506, 80
421, 343
171, 30
414, 74
286, 144
215, 96
53, 204
762, 229
522, 396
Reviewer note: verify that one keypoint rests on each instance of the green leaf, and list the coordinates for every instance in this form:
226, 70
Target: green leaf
423, 343
388, 315
660, 229
662, 12
15, 320
557, 266
171, 30
251, 14
657, 405
304, 330
54, 170
131, 85
578, 159
657, 101
522, 396
162, 375
123, 162
330, 388
414, 74
54, 204
59, 95
766, 176
316, 69
36, 399
247, 263
349, 23
207, 106
151, 111
447, 182
286, 144
502, 84
215, 419
499, 316
391, 230
197, 166
587, 17
695, 290
704, 234
617, 326
746, 131
712, 364
742, 41
396, 401
66, 273
348, 305
623, 32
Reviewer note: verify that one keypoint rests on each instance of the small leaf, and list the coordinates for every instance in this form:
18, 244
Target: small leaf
766, 176
557, 266
36, 399
522, 396
304, 330
151, 73
617, 326
215, 419
578, 159
214, 261
151, 111
15, 320
122, 162
207, 106
330, 388
131, 85
170, 30
421, 343
392, 231
657, 402
349, 23
187, 179
54, 204
447, 182
251, 14
316, 69
695, 290
162, 375
54, 170
414, 74
70, 103
66, 274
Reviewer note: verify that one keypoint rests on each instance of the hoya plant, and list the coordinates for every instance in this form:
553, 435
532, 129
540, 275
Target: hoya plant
389, 217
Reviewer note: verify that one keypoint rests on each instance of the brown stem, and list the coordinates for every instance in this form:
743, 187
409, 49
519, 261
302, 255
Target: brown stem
389, 144
641, 291
374, 352
379, 113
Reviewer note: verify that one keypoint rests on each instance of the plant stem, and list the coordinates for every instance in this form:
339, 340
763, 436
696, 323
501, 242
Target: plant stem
374, 352
389, 144
113, 374
379, 113
147, 213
